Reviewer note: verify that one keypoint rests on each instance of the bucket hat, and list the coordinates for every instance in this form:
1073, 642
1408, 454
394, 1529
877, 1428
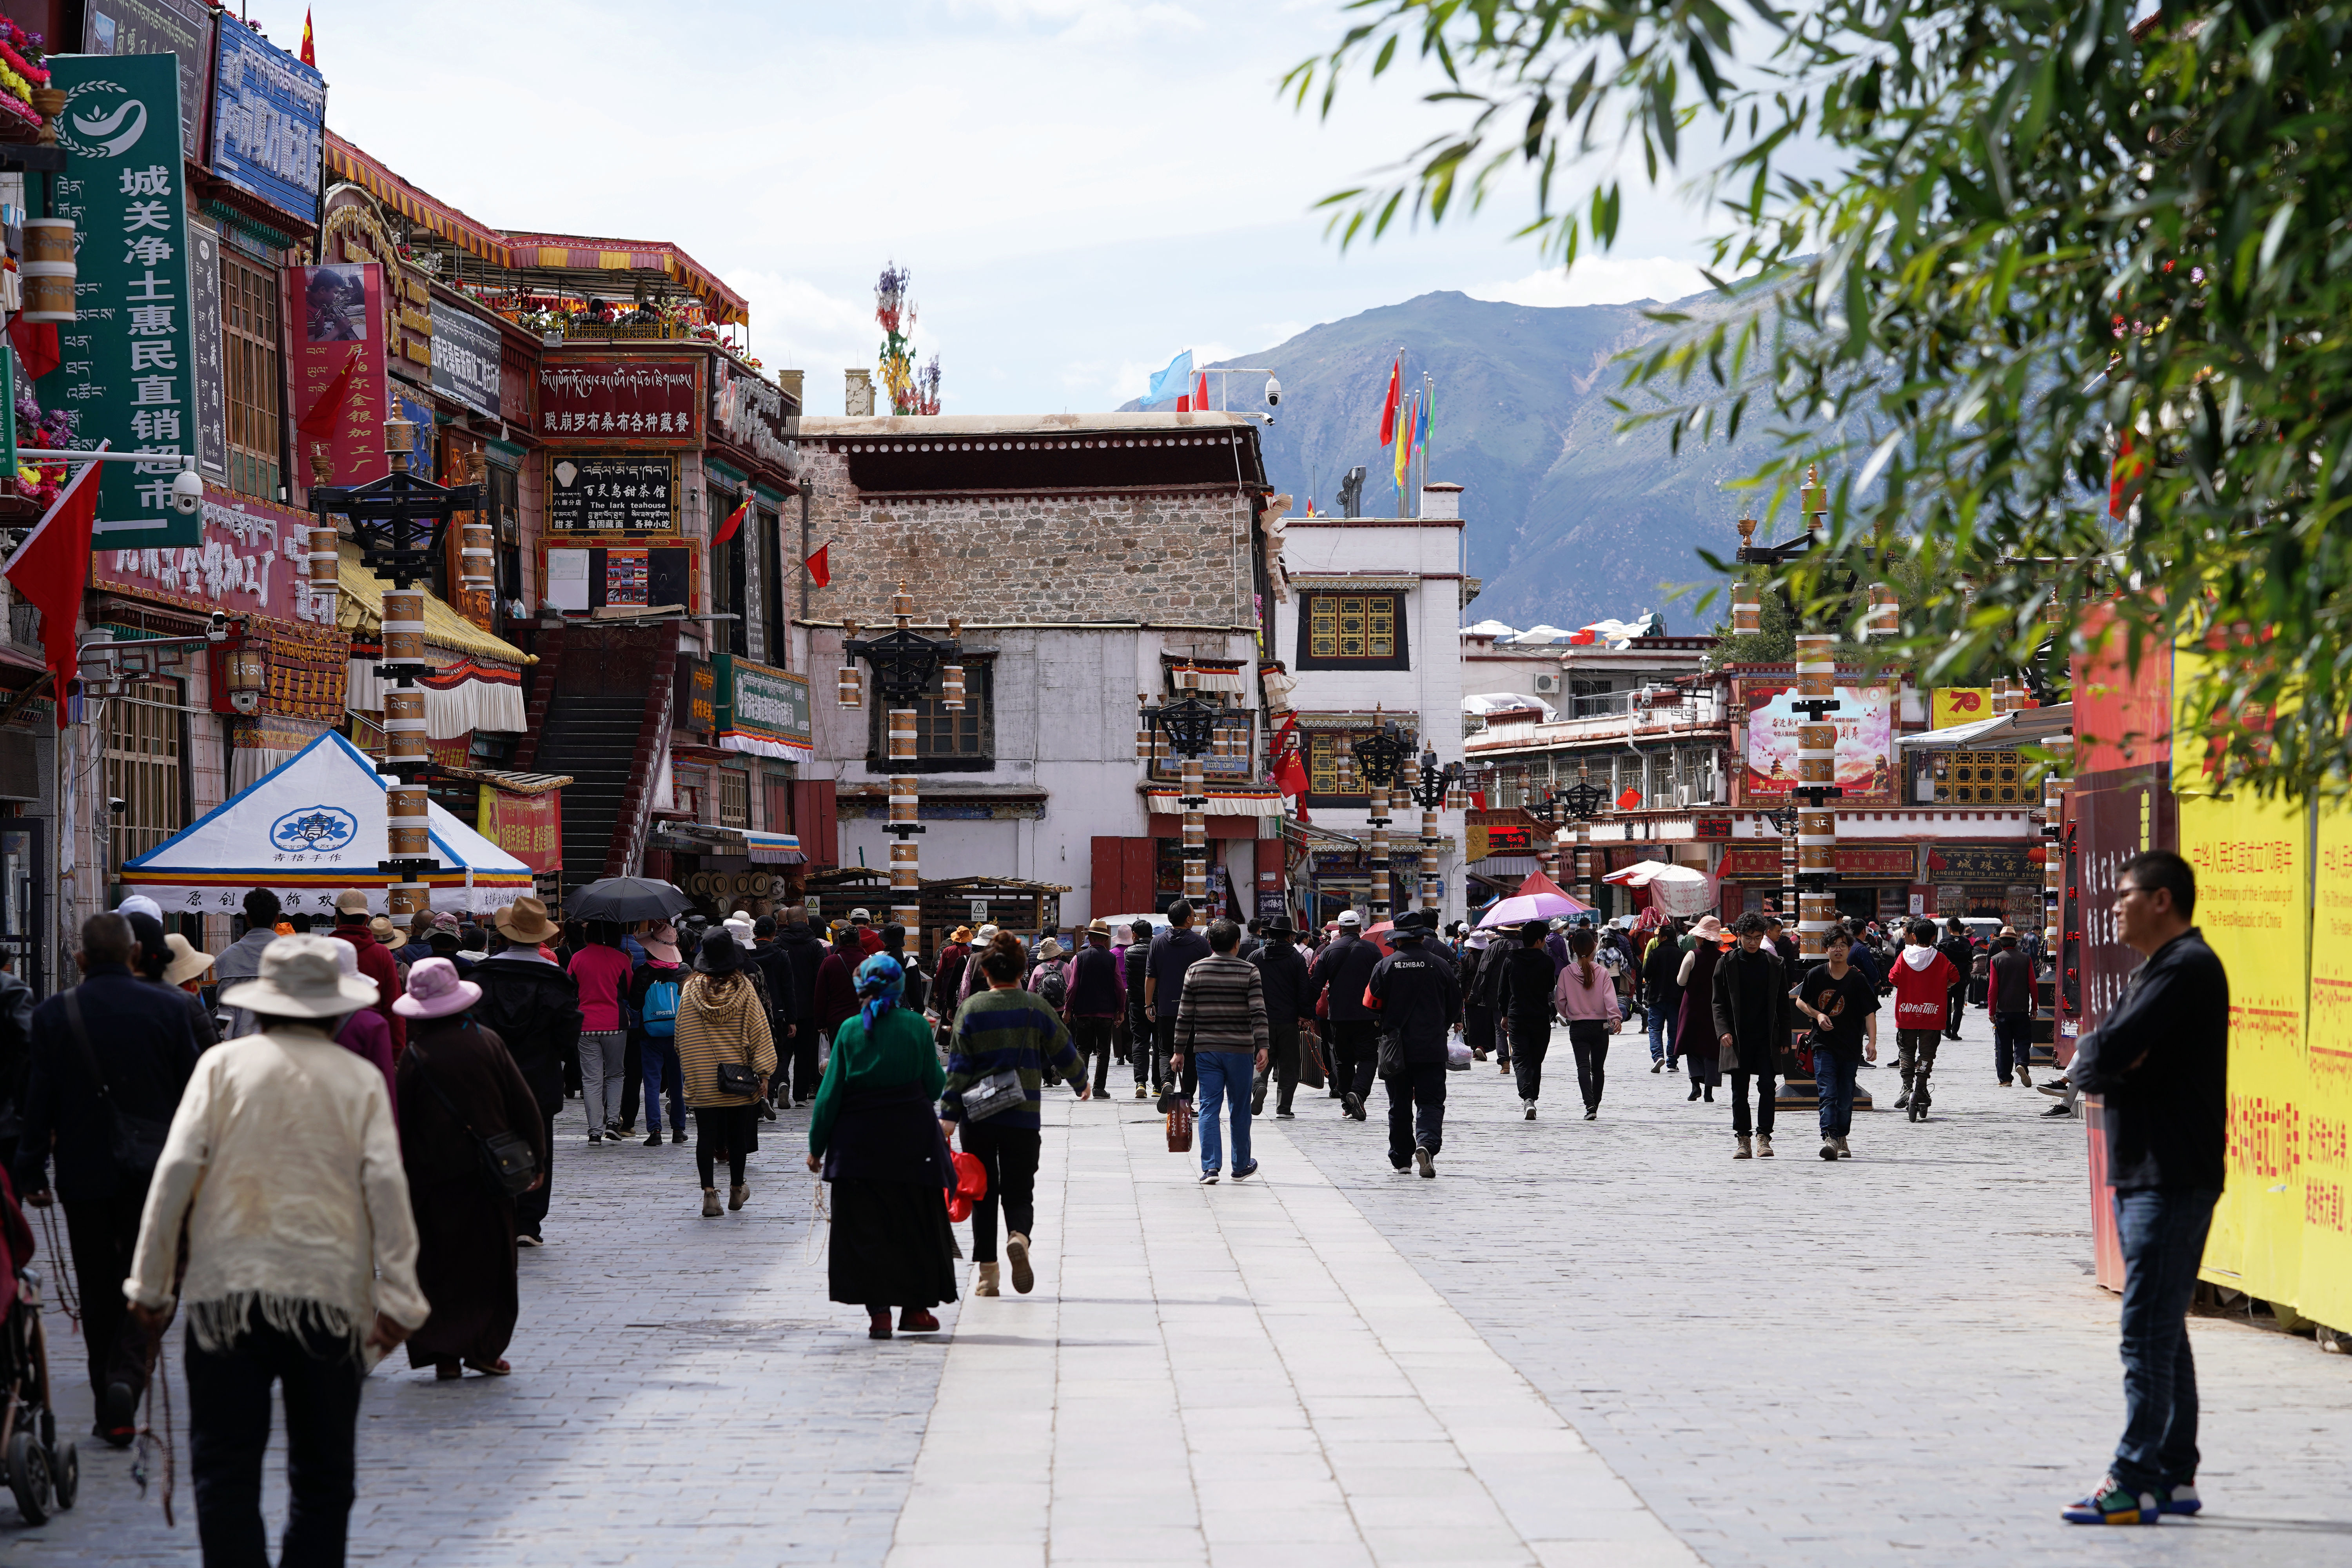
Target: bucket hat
436, 991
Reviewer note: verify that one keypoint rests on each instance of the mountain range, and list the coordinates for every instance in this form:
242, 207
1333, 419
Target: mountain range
1568, 521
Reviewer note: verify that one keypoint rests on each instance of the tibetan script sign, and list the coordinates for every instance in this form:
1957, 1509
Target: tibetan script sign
611, 495
644, 404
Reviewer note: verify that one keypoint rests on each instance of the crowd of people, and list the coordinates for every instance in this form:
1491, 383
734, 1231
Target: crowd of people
343, 1157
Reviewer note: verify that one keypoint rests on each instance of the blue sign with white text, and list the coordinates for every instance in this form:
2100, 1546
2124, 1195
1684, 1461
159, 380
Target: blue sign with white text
269, 120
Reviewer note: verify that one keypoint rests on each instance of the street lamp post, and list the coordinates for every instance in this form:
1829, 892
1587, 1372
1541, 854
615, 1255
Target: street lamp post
1432, 786
1187, 727
1582, 801
399, 522
904, 660
1380, 756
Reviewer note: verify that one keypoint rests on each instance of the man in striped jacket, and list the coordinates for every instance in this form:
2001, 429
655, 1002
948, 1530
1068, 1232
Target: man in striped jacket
1222, 1018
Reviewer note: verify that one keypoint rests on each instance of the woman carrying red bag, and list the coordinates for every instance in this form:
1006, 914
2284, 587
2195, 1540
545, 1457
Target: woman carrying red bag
872, 1134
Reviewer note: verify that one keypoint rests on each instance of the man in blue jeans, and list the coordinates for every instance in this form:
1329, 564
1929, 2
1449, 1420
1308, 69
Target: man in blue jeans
1221, 1023
2161, 1063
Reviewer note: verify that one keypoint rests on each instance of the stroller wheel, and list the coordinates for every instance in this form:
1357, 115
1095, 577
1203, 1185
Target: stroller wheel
65, 1474
29, 1477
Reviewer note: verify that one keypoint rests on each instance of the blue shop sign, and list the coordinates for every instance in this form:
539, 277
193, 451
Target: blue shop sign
270, 121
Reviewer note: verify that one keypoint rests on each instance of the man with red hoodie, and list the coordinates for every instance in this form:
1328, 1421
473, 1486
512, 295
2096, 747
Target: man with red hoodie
1925, 982
377, 962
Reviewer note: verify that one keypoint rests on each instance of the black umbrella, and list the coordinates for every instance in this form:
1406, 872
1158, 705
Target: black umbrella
626, 899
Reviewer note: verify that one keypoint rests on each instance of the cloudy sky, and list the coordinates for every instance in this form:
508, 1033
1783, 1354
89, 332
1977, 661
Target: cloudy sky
1080, 188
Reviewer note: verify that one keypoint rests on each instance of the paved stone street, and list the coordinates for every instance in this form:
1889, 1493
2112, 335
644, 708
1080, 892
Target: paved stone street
1586, 1343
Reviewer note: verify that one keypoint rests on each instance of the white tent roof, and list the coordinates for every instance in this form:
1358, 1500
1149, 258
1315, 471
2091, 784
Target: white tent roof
309, 830
1491, 629
1485, 703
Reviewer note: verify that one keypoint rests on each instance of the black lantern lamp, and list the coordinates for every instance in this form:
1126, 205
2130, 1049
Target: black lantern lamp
399, 522
1432, 786
1188, 727
1380, 756
904, 660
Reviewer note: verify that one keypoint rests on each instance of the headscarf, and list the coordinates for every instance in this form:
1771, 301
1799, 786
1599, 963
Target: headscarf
879, 981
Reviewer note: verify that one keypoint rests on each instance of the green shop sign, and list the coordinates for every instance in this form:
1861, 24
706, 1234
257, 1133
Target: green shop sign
761, 711
125, 365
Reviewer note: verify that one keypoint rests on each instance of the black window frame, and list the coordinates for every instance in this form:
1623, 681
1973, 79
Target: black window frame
1401, 658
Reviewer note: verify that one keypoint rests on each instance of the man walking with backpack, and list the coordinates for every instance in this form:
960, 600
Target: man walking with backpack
1925, 983
1961, 953
110, 1057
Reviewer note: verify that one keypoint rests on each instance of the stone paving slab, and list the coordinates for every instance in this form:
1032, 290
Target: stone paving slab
683, 1392
1901, 1356
1236, 1374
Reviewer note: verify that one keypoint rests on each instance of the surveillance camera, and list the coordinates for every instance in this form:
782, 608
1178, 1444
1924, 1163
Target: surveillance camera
188, 493
216, 630
116, 805
246, 702
1273, 391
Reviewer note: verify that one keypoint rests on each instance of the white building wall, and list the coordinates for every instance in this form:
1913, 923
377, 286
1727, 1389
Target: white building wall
1323, 553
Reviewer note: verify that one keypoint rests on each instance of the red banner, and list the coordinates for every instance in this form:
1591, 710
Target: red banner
1879, 865
528, 827
632, 404
335, 325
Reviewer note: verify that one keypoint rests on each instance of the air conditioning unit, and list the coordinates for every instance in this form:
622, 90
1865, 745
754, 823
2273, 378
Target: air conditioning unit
1683, 794
1546, 685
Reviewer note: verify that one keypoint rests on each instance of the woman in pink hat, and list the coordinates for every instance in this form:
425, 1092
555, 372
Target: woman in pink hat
457, 1086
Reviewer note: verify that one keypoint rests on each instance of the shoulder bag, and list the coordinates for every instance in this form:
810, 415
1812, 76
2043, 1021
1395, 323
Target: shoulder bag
135, 1142
508, 1158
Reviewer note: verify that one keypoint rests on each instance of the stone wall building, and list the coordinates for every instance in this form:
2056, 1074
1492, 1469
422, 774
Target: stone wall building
1088, 556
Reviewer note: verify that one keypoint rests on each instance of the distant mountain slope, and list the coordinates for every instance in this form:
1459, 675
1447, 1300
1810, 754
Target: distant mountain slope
1569, 523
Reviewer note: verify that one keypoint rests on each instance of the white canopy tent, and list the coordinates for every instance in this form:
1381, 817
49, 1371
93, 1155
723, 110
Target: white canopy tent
1675, 889
309, 830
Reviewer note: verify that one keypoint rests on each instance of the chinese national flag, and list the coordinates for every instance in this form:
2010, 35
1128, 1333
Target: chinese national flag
2124, 481
1289, 768
1396, 397
51, 568
37, 345
820, 570
734, 520
309, 57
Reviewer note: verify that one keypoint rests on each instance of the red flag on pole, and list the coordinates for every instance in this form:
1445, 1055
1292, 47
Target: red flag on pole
51, 568
734, 521
1289, 768
309, 57
320, 423
820, 570
1201, 394
1396, 397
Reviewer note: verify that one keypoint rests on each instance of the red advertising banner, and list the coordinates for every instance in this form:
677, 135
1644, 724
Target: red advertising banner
1879, 865
2122, 716
335, 355
627, 404
1762, 864
528, 827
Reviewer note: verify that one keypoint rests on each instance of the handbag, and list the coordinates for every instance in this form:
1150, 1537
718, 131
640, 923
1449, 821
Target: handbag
508, 1159
1180, 1125
135, 1142
1389, 1061
999, 1090
1310, 1059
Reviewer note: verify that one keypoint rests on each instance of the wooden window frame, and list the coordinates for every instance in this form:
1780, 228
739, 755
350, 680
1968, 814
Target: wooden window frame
253, 371
1313, 604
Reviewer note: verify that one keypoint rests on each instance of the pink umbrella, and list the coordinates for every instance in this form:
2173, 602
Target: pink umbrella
1538, 899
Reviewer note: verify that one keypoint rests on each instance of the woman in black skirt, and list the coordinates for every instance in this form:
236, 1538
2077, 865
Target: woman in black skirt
876, 1137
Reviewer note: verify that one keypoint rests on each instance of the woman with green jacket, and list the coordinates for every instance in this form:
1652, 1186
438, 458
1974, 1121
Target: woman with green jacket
874, 1135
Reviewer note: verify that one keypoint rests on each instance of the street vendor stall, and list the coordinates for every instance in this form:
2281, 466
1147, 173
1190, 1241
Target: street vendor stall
309, 830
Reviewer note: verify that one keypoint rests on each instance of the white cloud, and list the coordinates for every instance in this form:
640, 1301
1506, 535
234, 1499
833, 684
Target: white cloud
1599, 281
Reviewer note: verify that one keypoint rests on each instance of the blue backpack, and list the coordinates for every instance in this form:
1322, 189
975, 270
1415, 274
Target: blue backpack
661, 1008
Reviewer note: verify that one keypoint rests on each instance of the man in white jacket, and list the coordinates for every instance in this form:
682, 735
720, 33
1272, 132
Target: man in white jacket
284, 1165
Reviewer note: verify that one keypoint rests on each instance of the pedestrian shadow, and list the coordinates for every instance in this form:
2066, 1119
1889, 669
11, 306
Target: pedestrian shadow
2208, 1521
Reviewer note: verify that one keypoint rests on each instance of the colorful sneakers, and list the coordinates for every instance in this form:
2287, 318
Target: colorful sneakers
2181, 1498
2110, 1503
